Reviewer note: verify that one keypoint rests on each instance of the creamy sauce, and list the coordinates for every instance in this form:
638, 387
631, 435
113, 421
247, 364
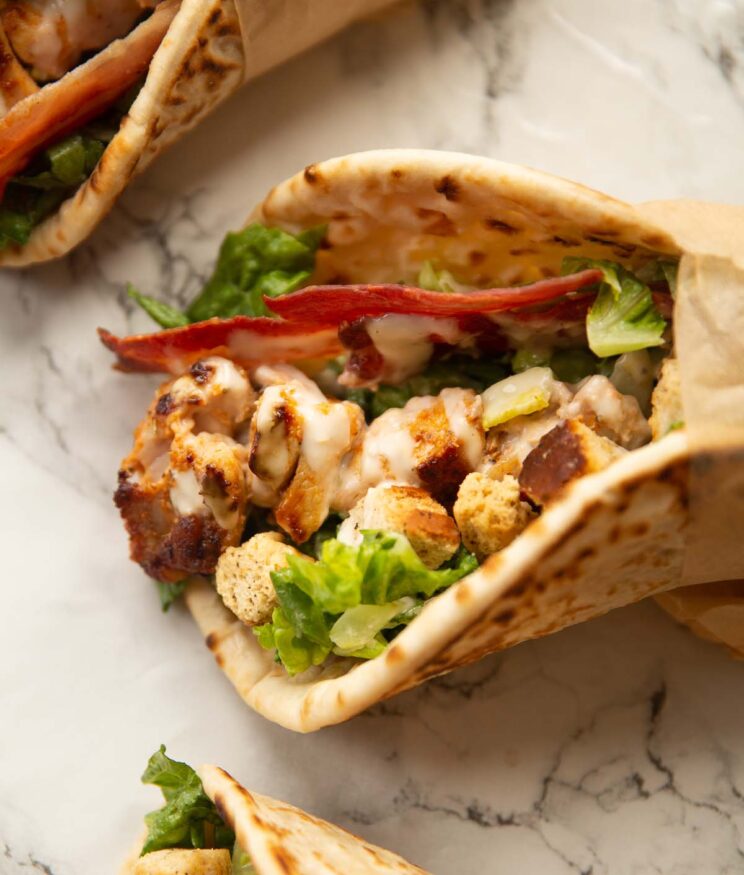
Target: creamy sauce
405, 342
185, 493
464, 411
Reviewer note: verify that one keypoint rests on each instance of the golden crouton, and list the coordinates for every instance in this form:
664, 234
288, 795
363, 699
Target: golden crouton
411, 512
184, 861
490, 513
243, 576
666, 401
567, 452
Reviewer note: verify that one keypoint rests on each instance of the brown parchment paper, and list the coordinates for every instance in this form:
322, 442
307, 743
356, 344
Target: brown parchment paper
709, 342
275, 30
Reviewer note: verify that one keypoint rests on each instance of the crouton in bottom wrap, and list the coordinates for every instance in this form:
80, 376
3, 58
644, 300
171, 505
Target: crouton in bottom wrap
613, 538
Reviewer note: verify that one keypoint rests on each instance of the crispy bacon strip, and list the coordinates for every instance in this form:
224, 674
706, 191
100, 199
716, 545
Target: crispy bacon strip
246, 340
346, 303
62, 107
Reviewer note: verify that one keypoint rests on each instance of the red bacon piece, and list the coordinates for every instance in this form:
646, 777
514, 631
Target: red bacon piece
81, 95
346, 303
247, 340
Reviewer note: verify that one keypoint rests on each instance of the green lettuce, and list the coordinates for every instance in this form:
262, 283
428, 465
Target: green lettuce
436, 280
314, 598
458, 370
252, 263
189, 818
51, 178
623, 317
170, 593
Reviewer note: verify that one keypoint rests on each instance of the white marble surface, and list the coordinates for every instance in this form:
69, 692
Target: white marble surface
616, 747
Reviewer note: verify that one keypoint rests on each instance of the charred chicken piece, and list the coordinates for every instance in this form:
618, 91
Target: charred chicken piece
297, 443
182, 490
50, 37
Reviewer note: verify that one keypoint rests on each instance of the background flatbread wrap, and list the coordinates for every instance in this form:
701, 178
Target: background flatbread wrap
615, 537
283, 840
210, 48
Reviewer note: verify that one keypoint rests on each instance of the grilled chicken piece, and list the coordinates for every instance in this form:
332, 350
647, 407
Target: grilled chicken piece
490, 513
411, 512
571, 450
298, 441
243, 576
184, 861
433, 442
182, 490
50, 37
15, 82
608, 412
666, 401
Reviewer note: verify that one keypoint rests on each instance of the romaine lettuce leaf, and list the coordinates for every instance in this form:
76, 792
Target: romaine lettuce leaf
623, 317
254, 262
170, 593
459, 370
314, 597
189, 818
51, 178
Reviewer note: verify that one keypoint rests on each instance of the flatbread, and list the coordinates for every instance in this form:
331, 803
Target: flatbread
616, 537
210, 49
282, 840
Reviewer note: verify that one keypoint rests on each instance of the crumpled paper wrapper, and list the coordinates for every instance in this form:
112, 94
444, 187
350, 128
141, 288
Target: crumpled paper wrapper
709, 341
275, 30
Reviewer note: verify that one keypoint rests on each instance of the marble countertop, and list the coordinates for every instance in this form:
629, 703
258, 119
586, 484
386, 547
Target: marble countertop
614, 747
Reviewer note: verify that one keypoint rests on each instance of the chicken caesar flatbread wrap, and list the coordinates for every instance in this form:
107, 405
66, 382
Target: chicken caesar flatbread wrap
91, 92
427, 407
210, 825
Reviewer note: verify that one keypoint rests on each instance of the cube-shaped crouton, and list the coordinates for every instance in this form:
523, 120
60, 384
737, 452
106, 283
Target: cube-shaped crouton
490, 513
243, 576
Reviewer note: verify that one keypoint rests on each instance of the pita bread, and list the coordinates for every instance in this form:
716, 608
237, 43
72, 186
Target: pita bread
210, 49
616, 537
283, 840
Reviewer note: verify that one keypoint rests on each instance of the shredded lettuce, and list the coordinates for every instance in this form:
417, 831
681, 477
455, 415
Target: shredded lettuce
311, 622
436, 280
623, 317
241, 862
50, 179
189, 818
254, 262
519, 395
170, 593
458, 370
56, 173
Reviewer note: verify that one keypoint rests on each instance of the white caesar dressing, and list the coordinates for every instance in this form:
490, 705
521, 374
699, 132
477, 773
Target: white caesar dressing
405, 342
465, 411
185, 493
